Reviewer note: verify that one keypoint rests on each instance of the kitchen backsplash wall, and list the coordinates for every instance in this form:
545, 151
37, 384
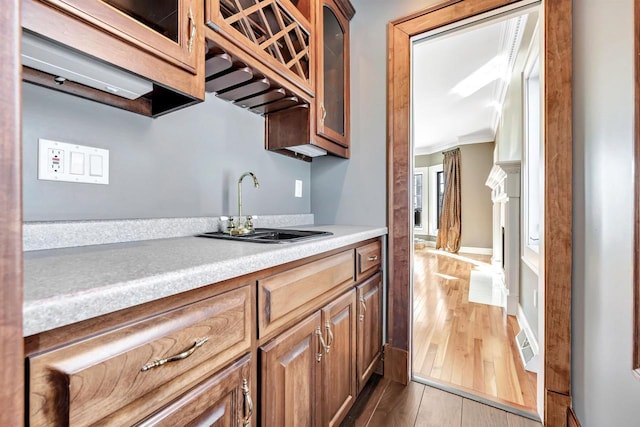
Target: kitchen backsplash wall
184, 164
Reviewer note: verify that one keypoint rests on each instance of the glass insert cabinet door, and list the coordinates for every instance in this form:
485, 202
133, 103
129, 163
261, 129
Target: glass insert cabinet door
333, 67
165, 28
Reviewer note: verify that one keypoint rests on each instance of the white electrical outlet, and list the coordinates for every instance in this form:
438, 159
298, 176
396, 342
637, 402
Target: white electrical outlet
298, 190
61, 161
55, 160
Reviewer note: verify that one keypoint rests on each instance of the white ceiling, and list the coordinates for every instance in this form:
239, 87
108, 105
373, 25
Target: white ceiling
459, 84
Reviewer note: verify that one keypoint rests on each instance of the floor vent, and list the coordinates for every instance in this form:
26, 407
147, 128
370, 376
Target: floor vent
527, 354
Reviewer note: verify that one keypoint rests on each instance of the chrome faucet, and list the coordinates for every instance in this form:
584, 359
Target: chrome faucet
247, 227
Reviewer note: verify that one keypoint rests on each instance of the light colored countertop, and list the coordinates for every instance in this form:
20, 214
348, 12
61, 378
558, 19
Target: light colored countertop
64, 286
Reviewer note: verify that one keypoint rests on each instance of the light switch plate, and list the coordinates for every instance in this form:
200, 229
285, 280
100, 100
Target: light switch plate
61, 161
298, 191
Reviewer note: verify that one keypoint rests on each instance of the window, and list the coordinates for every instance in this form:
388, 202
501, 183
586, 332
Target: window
428, 192
417, 199
440, 189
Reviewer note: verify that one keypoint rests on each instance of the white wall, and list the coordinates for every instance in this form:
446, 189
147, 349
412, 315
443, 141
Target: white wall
604, 390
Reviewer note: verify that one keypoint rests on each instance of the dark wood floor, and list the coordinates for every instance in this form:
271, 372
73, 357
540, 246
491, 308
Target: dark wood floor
463, 344
388, 404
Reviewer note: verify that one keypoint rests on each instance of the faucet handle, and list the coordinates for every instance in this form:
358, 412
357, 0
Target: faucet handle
230, 224
248, 224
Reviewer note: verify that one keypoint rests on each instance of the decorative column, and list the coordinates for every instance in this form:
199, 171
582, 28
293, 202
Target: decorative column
512, 234
504, 181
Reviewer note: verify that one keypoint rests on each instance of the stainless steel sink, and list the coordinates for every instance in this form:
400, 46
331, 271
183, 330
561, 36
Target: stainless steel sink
270, 235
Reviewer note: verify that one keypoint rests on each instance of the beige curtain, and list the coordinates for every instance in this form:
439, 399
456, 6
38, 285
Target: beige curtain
451, 216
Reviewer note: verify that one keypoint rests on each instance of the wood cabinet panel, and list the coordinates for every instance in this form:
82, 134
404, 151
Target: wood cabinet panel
275, 32
339, 364
284, 296
369, 296
290, 366
332, 88
369, 259
221, 400
101, 379
172, 37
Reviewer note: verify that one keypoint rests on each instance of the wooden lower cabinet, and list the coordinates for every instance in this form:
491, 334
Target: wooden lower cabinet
339, 364
290, 366
309, 372
369, 296
122, 376
222, 400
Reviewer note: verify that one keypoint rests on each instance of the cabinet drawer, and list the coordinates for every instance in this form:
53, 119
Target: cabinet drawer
112, 378
284, 296
369, 258
221, 400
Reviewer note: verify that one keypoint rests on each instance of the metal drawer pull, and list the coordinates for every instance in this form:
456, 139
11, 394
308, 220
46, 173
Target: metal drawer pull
194, 29
364, 308
324, 112
248, 402
179, 356
327, 325
323, 345
373, 258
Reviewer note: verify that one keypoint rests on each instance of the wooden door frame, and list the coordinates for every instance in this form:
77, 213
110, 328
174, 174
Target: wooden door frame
11, 342
557, 53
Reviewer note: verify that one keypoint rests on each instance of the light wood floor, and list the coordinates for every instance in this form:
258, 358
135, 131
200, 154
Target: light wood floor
462, 344
389, 404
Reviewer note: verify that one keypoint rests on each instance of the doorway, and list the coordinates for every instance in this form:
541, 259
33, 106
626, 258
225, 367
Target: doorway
555, 359
472, 307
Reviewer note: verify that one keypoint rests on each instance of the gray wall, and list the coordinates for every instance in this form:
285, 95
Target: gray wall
186, 163
605, 392
476, 161
354, 191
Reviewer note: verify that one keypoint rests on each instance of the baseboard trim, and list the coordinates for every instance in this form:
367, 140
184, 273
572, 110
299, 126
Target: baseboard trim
572, 420
463, 249
396, 364
476, 251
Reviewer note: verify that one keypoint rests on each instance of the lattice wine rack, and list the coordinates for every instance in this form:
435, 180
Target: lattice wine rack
271, 28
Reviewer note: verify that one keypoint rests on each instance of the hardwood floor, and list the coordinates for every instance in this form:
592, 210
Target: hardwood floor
389, 404
462, 344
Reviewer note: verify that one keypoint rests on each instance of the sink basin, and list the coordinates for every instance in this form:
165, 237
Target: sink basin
270, 235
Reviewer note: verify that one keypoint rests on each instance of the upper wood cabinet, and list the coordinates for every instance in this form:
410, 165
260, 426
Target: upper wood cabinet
322, 127
166, 28
160, 41
332, 58
276, 32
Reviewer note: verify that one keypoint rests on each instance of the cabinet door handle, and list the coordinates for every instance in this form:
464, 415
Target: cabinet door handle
324, 112
248, 403
364, 308
373, 258
327, 325
321, 344
193, 30
175, 358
